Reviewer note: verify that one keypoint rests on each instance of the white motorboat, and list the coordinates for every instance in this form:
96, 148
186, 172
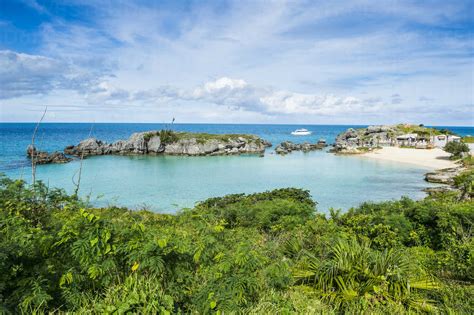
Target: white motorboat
301, 132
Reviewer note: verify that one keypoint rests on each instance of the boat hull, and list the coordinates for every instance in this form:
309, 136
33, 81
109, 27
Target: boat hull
306, 133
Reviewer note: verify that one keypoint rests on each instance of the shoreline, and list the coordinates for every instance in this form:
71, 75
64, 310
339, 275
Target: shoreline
434, 159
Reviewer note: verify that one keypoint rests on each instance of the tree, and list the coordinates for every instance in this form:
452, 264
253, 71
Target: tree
456, 149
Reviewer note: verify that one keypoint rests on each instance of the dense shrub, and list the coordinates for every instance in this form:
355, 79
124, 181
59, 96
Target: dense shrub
456, 149
269, 252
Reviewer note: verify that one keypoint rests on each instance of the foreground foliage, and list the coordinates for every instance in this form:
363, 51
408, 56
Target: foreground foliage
263, 253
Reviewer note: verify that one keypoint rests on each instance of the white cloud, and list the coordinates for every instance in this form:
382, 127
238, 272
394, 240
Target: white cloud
226, 91
296, 103
106, 92
286, 61
240, 94
22, 74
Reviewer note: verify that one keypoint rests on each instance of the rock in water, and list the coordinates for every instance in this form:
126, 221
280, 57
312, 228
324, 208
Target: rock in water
288, 146
42, 157
90, 146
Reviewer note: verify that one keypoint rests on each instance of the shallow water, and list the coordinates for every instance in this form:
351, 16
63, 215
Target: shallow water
167, 183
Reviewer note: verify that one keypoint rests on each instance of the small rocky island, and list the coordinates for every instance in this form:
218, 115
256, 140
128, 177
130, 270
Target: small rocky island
288, 146
167, 142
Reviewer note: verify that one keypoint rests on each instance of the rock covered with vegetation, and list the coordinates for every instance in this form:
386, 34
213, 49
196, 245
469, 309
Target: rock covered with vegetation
354, 141
459, 179
173, 143
264, 253
288, 146
43, 157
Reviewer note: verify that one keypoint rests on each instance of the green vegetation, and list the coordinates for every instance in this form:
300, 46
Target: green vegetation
445, 131
421, 130
465, 183
468, 139
468, 161
170, 136
363, 149
456, 149
205, 137
166, 136
264, 253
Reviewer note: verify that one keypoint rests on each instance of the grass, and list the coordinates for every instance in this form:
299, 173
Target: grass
420, 130
400, 129
468, 139
169, 136
468, 161
166, 136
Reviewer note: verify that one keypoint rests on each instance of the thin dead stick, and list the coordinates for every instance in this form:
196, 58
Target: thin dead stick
33, 149
78, 184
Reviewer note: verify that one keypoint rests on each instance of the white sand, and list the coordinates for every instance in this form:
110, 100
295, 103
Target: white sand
429, 158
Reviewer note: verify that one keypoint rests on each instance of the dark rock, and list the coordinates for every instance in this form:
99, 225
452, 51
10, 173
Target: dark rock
266, 143
288, 146
90, 146
42, 157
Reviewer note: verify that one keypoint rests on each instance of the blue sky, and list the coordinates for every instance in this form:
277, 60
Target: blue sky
323, 62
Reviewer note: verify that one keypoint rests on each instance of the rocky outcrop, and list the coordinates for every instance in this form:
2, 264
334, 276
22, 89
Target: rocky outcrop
42, 157
288, 146
354, 141
173, 143
439, 190
444, 176
154, 145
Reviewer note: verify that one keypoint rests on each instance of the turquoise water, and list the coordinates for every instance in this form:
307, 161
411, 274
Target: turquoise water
166, 184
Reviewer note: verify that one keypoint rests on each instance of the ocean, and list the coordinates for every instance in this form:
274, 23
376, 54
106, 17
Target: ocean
167, 184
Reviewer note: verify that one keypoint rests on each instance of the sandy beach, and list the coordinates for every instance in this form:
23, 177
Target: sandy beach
433, 158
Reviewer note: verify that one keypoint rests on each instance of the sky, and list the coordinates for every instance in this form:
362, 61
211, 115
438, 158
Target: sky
286, 62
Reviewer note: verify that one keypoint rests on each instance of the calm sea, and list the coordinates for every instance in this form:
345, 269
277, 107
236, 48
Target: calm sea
167, 184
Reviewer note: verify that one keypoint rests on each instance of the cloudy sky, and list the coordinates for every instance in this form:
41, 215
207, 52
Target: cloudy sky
322, 62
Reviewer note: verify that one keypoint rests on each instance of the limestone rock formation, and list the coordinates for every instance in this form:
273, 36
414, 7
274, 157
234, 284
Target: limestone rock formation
354, 141
173, 143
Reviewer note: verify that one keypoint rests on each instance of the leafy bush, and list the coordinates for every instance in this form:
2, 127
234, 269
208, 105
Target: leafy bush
353, 276
275, 210
269, 252
456, 149
167, 136
465, 183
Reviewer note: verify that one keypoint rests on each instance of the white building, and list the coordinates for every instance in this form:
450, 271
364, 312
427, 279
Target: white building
408, 139
441, 140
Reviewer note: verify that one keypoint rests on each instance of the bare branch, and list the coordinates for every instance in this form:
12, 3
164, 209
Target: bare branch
33, 155
78, 184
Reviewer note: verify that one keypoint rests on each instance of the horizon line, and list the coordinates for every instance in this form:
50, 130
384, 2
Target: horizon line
208, 123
